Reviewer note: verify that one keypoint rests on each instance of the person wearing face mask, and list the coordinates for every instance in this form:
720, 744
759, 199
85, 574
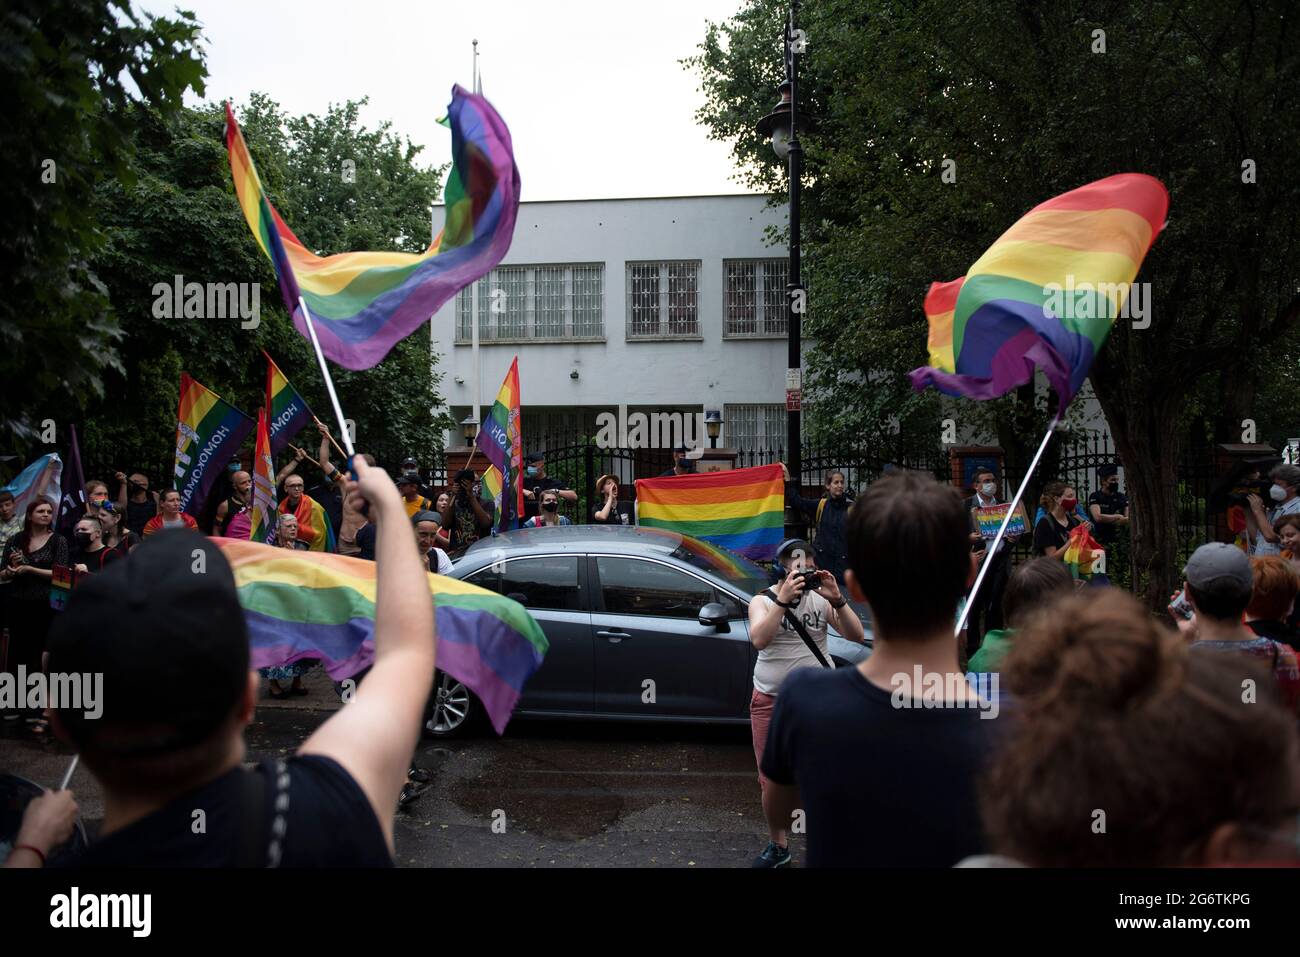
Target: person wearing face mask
1264, 539
1053, 529
1108, 507
550, 513
536, 481
986, 613
89, 553
135, 501
238, 502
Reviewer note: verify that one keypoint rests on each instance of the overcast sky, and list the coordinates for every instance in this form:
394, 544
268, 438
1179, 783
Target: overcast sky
592, 90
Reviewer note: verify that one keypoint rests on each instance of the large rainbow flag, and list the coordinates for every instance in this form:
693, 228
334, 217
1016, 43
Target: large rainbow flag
1081, 552
502, 446
742, 510
209, 431
287, 411
363, 303
263, 517
316, 605
1045, 294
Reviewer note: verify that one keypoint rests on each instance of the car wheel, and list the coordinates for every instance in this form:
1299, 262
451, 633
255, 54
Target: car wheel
453, 710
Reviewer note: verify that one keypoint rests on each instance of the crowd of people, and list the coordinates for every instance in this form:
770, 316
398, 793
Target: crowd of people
1107, 717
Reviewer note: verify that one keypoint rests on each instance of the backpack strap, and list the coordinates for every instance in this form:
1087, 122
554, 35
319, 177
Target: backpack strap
798, 627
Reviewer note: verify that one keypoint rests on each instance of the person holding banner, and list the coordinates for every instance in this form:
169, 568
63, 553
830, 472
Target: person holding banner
986, 612
28, 565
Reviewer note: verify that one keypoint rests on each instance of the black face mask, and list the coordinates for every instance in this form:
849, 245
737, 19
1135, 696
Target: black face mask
83, 538
551, 506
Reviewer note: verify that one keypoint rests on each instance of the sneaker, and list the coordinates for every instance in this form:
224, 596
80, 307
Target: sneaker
774, 855
418, 775
409, 793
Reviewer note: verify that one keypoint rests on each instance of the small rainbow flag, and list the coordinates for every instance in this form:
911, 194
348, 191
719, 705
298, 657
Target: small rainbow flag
364, 303
313, 605
1081, 551
209, 431
288, 413
62, 580
263, 511
1045, 294
742, 510
500, 441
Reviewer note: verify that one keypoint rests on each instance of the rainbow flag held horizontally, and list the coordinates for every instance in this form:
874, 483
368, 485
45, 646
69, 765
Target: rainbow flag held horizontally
1081, 552
209, 431
317, 605
742, 510
287, 411
263, 516
1045, 294
364, 303
502, 446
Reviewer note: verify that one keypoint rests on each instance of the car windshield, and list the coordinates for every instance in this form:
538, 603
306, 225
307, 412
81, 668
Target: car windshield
734, 569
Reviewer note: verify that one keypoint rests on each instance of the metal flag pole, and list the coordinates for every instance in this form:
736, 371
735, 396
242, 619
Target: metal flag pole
329, 380
993, 548
67, 775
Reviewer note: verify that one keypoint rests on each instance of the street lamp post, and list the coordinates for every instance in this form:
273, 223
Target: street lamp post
782, 125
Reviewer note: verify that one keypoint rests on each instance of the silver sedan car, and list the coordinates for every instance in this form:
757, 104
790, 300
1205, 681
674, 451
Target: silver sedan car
643, 624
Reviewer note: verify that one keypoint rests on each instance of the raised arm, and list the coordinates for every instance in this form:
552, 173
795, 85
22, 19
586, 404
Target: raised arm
289, 469
374, 735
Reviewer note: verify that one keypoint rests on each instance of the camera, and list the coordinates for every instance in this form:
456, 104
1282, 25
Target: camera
1237, 494
811, 578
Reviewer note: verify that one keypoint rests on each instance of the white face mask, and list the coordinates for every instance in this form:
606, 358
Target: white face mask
1277, 493
987, 489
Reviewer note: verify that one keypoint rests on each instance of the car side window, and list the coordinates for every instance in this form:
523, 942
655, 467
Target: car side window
549, 582
630, 586
734, 608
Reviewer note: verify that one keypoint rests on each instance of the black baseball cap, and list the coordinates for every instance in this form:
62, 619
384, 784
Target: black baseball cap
166, 631
465, 474
534, 457
1106, 471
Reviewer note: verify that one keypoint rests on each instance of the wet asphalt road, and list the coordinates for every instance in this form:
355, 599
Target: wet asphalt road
563, 794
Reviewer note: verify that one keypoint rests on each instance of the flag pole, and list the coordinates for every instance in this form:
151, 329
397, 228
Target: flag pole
333, 441
1006, 520
329, 381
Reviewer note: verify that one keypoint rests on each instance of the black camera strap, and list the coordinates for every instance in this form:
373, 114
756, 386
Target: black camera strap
798, 627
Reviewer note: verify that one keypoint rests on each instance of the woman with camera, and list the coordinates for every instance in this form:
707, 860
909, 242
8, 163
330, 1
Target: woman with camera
788, 627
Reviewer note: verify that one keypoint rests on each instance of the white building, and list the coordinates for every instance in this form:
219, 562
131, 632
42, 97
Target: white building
673, 304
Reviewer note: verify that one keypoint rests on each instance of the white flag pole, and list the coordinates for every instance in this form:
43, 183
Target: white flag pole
329, 381
993, 548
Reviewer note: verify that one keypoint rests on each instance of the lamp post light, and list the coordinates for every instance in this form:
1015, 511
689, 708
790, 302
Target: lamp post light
783, 126
469, 426
713, 425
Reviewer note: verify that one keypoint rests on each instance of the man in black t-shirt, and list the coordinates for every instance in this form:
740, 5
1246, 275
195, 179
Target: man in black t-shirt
89, 555
882, 759
165, 750
537, 481
135, 500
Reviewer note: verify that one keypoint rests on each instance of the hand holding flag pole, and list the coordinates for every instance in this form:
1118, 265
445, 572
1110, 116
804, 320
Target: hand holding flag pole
330, 436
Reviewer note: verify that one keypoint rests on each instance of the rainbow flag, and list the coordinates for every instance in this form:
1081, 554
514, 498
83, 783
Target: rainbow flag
314, 605
263, 511
742, 510
1045, 294
1081, 551
288, 412
209, 431
363, 303
500, 441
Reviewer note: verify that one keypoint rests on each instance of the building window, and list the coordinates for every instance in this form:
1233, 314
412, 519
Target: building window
755, 428
755, 297
663, 299
550, 303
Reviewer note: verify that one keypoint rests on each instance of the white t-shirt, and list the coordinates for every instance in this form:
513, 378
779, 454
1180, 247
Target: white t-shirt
787, 651
444, 563
1264, 547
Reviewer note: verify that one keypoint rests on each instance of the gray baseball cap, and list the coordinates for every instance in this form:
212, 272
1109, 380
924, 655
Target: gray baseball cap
1218, 563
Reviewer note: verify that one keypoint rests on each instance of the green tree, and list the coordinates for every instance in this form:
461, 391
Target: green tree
70, 71
1029, 100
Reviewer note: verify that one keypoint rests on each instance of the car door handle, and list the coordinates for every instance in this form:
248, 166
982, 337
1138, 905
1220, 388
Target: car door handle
613, 635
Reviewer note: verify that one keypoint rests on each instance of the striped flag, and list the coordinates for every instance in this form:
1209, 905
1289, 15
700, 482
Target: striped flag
287, 412
41, 479
209, 431
500, 441
742, 510
263, 511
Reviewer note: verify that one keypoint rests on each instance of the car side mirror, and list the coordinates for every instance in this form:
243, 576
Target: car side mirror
715, 614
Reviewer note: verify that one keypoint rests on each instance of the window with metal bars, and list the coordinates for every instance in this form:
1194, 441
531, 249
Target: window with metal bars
754, 428
551, 303
663, 299
755, 297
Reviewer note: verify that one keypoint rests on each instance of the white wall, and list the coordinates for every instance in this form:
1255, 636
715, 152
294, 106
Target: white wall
707, 373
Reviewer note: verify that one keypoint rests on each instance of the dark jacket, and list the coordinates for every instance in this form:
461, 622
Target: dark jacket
831, 541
